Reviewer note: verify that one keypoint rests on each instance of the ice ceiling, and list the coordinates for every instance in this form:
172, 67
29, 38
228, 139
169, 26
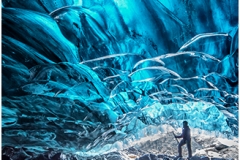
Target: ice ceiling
85, 77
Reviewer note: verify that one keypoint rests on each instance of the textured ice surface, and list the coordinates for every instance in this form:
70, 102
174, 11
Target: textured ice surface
90, 77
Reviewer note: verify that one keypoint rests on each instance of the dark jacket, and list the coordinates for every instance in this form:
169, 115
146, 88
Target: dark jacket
185, 134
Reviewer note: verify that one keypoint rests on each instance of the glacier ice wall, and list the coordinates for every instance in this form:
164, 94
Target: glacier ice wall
85, 77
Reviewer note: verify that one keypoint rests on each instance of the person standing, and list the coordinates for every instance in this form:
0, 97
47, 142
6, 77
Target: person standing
186, 139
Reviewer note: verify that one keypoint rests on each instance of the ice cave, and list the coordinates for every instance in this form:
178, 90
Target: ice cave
91, 79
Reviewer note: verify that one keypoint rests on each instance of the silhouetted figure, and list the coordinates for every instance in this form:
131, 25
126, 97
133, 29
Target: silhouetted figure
186, 140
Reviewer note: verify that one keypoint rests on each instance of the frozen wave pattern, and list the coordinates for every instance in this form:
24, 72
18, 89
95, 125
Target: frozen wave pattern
89, 77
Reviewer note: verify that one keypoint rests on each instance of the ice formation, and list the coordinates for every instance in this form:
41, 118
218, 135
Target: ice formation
87, 77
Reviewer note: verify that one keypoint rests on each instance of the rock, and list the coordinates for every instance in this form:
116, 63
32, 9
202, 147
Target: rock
195, 158
153, 157
56, 156
214, 154
221, 146
132, 156
148, 157
135, 151
212, 149
164, 157
144, 157
160, 156
41, 157
205, 158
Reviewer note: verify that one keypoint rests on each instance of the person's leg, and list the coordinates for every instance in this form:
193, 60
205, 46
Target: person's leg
180, 148
189, 148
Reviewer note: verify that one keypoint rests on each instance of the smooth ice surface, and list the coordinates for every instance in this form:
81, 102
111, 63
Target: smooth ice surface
90, 77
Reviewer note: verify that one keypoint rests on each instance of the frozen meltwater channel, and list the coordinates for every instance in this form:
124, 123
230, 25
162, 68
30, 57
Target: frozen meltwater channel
85, 78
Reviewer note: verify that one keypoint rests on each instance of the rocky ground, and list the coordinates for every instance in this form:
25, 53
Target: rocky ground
158, 147
203, 147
